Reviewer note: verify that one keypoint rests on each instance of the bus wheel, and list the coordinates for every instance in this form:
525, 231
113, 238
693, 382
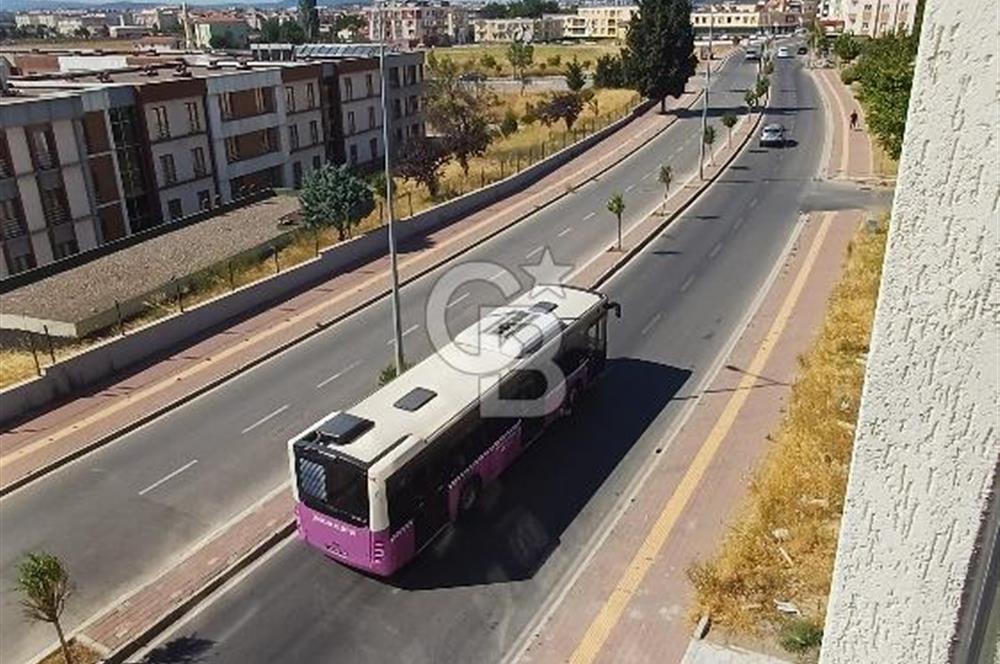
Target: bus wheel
469, 496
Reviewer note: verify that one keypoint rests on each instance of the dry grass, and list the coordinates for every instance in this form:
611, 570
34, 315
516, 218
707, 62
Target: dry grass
502, 159
469, 58
883, 165
80, 653
782, 545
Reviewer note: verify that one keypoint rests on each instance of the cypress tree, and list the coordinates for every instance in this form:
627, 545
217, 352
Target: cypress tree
659, 49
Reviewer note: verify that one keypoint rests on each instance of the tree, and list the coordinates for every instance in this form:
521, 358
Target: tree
461, 110
659, 53
309, 19
666, 177
751, 99
565, 106
520, 55
847, 47
575, 79
609, 72
729, 121
616, 206
509, 123
590, 98
333, 196
350, 23
763, 85
82, 32
488, 61
709, 138
885, 72
45, 586
420, 160
222, 42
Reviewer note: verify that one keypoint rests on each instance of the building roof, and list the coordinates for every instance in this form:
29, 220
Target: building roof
340, 50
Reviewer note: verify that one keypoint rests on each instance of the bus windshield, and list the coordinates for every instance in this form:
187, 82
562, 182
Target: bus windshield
333, 486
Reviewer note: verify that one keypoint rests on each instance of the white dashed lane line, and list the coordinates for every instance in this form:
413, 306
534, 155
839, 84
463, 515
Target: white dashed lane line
168, 477
265, 419
338, 374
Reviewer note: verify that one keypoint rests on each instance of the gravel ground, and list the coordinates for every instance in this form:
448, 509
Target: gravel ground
78, 294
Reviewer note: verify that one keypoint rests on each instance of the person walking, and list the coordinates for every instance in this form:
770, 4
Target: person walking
854, 120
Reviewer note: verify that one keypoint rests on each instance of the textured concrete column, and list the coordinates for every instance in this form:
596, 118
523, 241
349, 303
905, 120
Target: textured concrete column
917, 528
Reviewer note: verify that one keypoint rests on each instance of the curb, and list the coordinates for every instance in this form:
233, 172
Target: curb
319, 327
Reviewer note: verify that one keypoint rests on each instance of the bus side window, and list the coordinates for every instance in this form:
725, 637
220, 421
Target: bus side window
403, 494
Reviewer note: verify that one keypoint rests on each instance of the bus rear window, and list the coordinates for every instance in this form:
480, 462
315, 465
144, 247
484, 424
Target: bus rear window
335, 487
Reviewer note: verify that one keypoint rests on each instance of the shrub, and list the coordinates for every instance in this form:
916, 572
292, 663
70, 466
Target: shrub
509, 123
800, 635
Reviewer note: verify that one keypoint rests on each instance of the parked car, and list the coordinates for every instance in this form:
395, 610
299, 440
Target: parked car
752, 54
802, 50
784, 52
772, 135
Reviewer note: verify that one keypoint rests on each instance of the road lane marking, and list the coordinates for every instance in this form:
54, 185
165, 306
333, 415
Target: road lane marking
337, 375
650, 324
456, 300
648, 175
629, 188
687, 283
715, 250
265, 419
405, 332
168, 477
534, 252
589, 216
498, 275
607, 618
567, 230
753, 201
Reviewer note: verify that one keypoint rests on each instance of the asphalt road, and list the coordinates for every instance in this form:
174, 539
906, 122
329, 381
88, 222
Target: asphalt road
123, 512
470, 595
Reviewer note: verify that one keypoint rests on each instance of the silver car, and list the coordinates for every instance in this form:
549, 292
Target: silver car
773, 135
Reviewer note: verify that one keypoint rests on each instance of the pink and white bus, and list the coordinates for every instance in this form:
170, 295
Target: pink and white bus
376, 483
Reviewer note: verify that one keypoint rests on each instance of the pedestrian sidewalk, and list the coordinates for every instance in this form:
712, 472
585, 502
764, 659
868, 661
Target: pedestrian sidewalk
627, 601
98, 416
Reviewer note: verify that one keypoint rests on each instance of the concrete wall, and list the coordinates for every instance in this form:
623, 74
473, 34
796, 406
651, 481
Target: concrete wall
926, 451
116, 355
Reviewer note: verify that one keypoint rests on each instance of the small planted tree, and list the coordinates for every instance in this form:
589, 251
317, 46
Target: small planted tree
565, 106
763, 85
709, 139
520, 55
44, 584
616, 206
751, 99
509, 123
575, 79
666, 177
729, 121
333, 196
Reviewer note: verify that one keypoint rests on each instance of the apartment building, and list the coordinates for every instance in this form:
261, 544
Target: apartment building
234, 32
606, 22
418, 22
89, 157
874, 18
546, 28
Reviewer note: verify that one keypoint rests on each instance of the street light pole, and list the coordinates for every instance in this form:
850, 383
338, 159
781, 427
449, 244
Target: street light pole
397, 323
704, 99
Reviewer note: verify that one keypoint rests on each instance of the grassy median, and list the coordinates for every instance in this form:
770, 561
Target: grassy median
781, 546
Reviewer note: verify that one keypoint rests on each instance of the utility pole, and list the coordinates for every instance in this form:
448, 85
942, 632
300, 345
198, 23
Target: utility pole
704, 98
397, 324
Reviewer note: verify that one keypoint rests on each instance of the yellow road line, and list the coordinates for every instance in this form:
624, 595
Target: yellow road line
604, 622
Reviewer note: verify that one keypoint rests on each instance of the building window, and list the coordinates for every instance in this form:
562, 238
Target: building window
397, 109
43, 147
317, 163
175, 209
348, 89
314, 132
297, 175
162, 123
373, 148
19, 262
310, 96
354, 155
198, 159
226, 105
194, 119
54, 206
351, 128
289, 99
204, 199
10, 222
371, 117
63, 241
394, 77
168, 169
370, 85
412, 105
415, 129
411, 74
293, 137
232, 149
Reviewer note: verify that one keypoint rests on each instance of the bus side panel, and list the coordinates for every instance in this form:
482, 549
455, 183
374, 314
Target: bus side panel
487, 465
392, 551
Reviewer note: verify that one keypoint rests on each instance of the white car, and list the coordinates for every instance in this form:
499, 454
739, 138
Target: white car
784, 52
772, 135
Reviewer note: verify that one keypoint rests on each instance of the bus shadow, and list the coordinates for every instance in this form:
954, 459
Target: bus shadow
523, 516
